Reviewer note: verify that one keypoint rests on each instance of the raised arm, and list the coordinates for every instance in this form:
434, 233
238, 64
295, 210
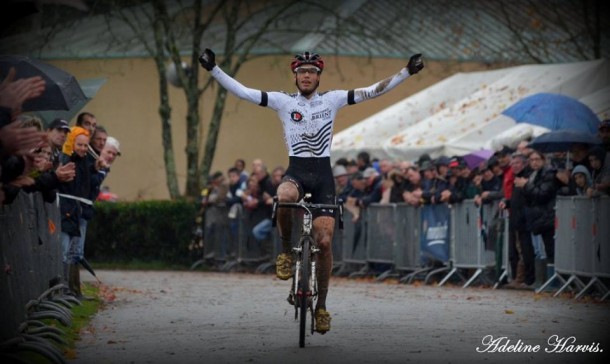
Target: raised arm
207, 59
415, 65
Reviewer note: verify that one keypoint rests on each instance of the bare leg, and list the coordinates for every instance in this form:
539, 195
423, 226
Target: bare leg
324, 227
286, 192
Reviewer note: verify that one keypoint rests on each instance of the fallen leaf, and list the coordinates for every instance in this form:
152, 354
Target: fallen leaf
509, 312
70, 354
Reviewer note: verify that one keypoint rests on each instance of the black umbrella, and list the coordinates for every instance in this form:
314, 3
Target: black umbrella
62, 91
562, 140
88, 267
90, 87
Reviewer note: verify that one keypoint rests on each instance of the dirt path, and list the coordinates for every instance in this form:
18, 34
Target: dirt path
195, 317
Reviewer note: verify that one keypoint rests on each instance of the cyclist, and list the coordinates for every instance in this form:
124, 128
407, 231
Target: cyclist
307, 118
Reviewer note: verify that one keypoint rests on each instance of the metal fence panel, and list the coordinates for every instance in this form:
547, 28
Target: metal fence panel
354, 239
248, 248
492, 226
602, 228
564, 235
407, 252
219, 238
476, 234
467, 234
31, 256
381, 233
584, 249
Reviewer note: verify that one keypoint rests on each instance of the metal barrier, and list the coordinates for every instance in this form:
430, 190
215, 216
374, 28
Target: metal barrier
219, 239
249, 250
31, 256
337, 247
390, 234
353, 242
435, 233
381, 235
581, 244
407, 249
505, 268
471, 231
602, 236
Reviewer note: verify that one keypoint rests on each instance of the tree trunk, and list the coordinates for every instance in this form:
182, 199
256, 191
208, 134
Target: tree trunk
193, 186
213, 130
165, 109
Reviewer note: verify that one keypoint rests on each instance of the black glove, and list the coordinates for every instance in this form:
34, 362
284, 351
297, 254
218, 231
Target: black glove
415, 64
207, 59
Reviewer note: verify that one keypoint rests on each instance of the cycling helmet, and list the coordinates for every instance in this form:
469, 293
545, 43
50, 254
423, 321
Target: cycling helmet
307, 58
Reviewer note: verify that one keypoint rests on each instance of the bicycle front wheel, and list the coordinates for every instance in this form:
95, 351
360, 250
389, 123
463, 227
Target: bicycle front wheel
304, 289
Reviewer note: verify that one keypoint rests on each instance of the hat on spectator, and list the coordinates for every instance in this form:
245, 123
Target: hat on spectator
504, 151
358, 176
339, 171
59, 124
426, 165
423, 158
369, 172
442, 161
112, 142
604, 124
456, 162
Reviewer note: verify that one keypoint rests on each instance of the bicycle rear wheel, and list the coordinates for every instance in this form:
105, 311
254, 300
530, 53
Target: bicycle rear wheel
304, 289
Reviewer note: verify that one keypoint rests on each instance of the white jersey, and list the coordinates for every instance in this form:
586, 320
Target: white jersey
308, 123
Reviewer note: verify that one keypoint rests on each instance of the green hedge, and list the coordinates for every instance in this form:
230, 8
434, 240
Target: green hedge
156, 231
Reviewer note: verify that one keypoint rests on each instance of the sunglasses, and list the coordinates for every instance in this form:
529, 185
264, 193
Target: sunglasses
304, 70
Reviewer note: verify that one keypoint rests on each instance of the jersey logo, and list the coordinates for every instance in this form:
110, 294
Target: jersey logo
296, 116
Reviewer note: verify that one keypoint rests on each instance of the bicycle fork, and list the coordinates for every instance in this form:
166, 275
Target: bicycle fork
295, 291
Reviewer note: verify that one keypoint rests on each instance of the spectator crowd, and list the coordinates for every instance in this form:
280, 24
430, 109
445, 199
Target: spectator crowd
65, 164
522, 181
68, 164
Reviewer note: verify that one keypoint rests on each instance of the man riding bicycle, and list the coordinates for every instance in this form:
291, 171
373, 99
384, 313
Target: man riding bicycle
308, 118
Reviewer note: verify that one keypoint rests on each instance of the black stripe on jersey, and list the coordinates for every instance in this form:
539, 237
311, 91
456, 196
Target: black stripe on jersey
322, 133
316, 146
264, 98
350, 97
315, 151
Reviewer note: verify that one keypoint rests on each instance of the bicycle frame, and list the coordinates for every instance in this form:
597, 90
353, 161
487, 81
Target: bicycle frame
304, 292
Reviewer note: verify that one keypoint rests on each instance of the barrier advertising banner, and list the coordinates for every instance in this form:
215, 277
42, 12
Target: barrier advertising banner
434, 239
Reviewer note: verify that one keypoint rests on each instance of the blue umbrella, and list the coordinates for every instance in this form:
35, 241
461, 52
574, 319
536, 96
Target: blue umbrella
554, 112
563, 140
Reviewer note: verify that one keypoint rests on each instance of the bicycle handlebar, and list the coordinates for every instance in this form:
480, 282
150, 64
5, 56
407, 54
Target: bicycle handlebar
307, 207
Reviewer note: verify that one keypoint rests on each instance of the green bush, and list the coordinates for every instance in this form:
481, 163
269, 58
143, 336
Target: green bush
142, 231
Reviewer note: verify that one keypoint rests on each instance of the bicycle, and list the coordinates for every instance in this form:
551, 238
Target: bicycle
304, 288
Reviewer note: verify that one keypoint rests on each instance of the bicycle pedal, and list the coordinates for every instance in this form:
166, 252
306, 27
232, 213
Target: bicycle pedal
290, 299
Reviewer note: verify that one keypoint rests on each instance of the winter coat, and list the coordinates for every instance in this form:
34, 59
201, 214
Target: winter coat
72, 209
432, 188
540, 193
517, 204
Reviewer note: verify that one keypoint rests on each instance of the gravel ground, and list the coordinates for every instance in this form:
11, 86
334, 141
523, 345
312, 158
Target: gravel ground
202, 317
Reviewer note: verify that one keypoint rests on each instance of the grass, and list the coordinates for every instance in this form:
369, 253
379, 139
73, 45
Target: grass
138, 265
81, 317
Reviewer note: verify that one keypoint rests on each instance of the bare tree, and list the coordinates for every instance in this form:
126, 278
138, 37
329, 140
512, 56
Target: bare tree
238, 17
541, 29
235, 28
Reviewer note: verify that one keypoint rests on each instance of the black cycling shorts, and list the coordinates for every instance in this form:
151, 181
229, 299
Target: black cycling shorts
315, 176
